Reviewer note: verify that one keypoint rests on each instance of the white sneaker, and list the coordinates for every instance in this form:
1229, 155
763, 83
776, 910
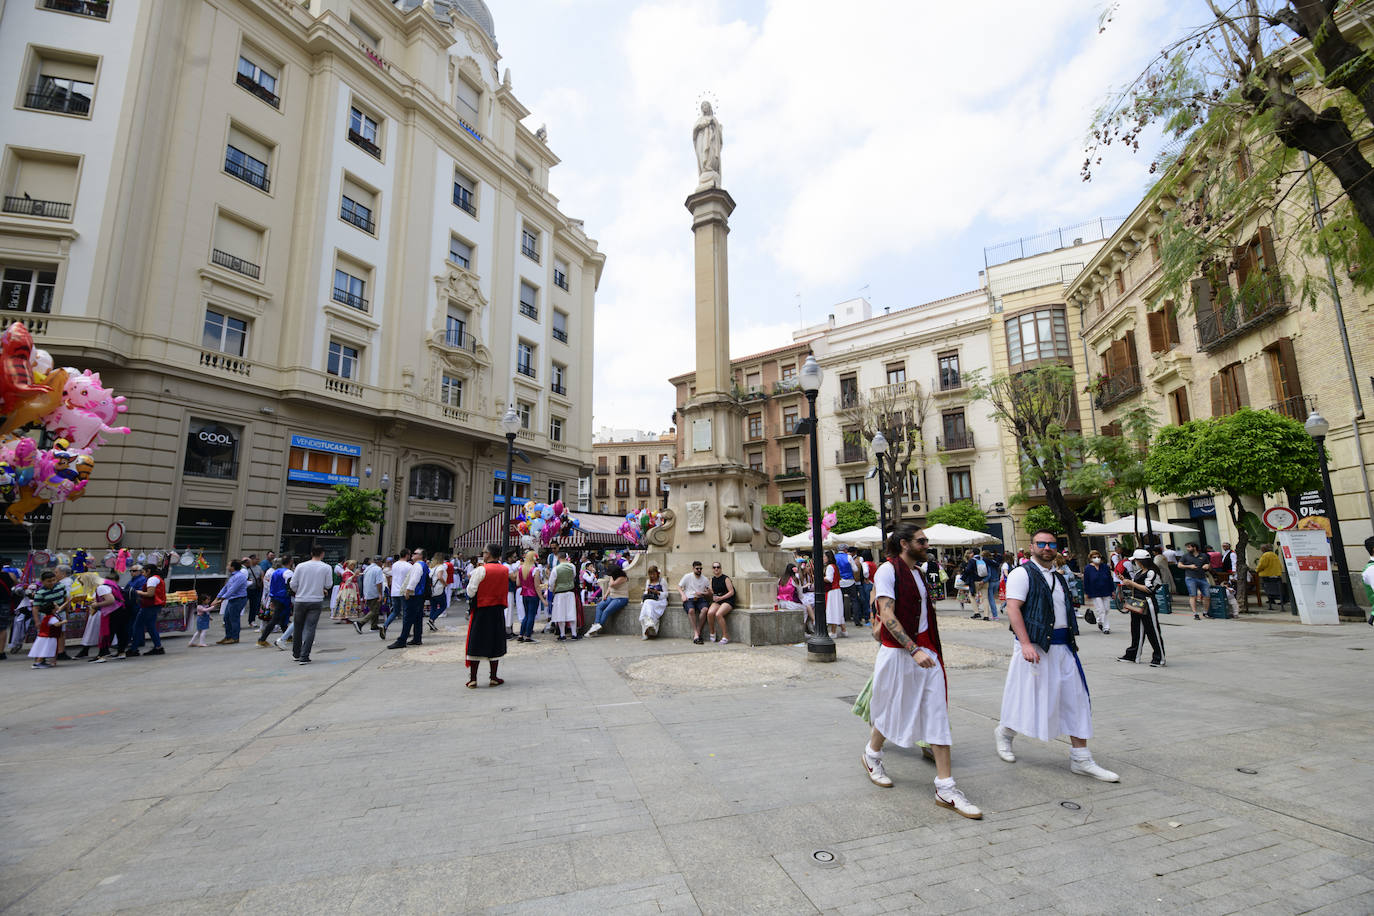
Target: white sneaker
954, 798
724, 640
279, 645
876, 773
1003, 745
1089, 767
595, 628
713, 637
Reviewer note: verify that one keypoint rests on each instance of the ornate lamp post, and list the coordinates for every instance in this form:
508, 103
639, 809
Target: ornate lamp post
664, 467
1317, 427
819, 646
510, 424
381, 526
879, 445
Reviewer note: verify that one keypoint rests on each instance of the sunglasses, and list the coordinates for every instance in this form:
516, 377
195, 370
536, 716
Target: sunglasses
715, 566
1046, 543
921, 540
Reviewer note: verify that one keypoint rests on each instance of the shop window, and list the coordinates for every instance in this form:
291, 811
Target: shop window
28, 289
212, 450
431, 482
206, 533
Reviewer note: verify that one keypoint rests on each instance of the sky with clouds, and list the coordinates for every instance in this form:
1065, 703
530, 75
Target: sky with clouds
873, 148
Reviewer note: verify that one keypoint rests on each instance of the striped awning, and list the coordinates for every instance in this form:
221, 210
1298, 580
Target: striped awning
593, 531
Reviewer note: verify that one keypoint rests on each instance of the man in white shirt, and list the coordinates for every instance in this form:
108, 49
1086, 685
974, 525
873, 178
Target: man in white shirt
374, 580
399, 572
695, 590
1046, 693
311, 581
909, 702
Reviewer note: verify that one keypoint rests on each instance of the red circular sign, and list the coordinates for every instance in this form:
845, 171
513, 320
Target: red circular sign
1280, 518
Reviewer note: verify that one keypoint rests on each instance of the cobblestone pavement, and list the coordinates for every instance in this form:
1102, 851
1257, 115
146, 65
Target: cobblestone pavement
613, 775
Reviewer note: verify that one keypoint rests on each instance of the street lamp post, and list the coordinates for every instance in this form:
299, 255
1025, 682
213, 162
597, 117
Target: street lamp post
664, 467
819, 647
1317, 427
381, 526
510, 424
879, 445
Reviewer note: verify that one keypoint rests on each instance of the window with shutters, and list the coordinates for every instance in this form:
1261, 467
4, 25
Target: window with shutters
1163, 327
1283, 373
1100, 302
1212, 303
1257, 278
59, 82
468, 98
960, 484
464, 192
364, 129
237, 246
358, 205
1120, 378
1112, 429
257, 73
1229, 392
40, 184
1179, 405
756, 461
248, 158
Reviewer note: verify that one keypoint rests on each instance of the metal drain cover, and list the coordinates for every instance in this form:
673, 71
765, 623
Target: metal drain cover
1247, 771
1072, 806
827, 859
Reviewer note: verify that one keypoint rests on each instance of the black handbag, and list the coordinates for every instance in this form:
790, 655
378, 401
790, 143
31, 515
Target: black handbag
1089, 617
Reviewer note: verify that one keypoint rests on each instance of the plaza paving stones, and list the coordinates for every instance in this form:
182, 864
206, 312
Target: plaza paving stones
613, 775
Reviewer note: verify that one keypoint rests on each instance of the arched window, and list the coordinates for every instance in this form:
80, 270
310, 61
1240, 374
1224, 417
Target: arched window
431, 482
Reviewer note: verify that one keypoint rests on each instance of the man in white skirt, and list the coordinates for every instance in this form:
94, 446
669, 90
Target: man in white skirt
910, 696
1046, 693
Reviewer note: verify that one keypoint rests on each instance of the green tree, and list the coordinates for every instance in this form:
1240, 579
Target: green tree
1245, 98
1038, 517
1117, 477
350, 510
961, 514
789, 518
1251, 453
851, 516
1037, 408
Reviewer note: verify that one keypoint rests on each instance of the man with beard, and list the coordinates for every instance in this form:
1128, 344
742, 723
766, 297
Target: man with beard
910, 697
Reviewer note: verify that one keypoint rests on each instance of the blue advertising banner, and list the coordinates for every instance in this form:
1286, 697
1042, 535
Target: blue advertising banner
499, 498
324, 445
318, 477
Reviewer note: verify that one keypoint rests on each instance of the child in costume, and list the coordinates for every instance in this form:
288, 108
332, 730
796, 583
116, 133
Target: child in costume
204, 608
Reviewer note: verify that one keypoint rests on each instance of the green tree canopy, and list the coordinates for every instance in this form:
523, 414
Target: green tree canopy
1251, 453
789, 518
350, 510
961, 514
851, 516
1038, 517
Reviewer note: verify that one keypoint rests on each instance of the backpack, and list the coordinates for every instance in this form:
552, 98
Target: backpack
842, 564
982, 568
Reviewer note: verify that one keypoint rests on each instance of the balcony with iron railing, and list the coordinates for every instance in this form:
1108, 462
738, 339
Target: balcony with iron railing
1117, 387
950, 380
530, 251
603, 472
28, 206
59, 102
239, 265
529, 311
525, 369
258, 89
851, 454
787, 386
1295, 408
560, 279
96, 9
1219, 326
956, 442
257, 179
790, 474
364, 144
360, 217
561, 390
349, 299
462, 199
560, 335
455, 339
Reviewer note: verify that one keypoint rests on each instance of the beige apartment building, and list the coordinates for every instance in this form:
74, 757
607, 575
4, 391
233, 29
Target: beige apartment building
312, 243
767, 387
1213, 353
625, 473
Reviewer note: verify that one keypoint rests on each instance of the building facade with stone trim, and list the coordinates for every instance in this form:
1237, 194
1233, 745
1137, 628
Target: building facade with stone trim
625, 473
312, 243
1212, 353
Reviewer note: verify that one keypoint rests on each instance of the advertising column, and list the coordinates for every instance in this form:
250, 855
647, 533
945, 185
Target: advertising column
1307, 557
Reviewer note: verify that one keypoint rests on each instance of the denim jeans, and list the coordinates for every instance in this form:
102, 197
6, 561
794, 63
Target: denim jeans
861, 614
145, 623
411, 620
394, 609
438, 603
278, 616
233, 611
305, 617
531, 611
607, 607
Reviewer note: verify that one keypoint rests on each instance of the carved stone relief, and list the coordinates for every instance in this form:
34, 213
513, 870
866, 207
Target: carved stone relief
696, 515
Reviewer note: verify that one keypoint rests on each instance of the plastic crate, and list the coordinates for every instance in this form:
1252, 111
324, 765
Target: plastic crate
1219, 607
1164, 600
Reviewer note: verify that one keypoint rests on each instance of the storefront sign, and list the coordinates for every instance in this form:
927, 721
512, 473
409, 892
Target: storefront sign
1312, 512
340, 449
1201, 507
517, 479
1307, 557
212, 449
324, 445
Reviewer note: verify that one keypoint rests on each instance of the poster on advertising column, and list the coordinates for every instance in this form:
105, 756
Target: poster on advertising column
1307, 557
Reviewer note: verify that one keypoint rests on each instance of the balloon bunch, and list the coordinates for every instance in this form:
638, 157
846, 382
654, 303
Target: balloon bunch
827, 522
71, 404
544, 521
637, 524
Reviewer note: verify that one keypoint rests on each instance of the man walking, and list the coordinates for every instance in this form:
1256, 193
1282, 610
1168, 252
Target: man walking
250, 566
975, 574
400, 571
373, 582
909, 701
414, 590
278, 600
151, 596
232, 597
1195, 567
1046, 693
309, 583
1367, 577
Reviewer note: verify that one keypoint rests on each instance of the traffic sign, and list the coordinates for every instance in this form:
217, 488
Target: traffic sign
1280, 518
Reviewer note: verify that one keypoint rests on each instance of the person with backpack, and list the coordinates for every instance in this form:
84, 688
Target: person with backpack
415, 591
975, 574
848, 584
151, 596
278, 600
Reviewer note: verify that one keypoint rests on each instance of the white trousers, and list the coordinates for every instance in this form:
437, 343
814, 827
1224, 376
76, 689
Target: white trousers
1102, 608
1049, 698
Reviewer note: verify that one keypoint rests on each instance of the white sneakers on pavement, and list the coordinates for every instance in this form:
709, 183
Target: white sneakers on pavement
1089, 767
595, 628
954, 798
1004, 737
876, 773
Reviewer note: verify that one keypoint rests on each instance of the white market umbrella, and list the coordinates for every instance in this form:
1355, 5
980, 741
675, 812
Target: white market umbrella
1128, 525
954, 536
871, 536
803, 541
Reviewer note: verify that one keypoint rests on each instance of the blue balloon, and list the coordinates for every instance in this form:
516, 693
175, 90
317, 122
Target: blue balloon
546, 513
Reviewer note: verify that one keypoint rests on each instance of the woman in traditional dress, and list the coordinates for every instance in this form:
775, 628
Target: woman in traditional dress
654, 604
834, 598
489, 589
348, 592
